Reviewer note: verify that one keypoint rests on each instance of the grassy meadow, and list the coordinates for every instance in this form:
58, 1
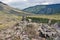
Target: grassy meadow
7, 20
45, 18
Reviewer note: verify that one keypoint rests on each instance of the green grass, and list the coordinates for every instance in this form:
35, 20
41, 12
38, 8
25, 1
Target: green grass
45, 18
55, 17
7, 20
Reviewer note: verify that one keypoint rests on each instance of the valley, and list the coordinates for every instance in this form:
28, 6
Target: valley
22, 25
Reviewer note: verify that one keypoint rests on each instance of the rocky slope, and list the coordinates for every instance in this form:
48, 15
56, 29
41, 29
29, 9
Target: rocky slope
29, 31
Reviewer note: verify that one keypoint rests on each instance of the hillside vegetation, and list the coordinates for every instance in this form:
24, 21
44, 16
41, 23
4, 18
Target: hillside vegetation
45, 18
9, 15
7, 20
44, 9
13, 28
55, 17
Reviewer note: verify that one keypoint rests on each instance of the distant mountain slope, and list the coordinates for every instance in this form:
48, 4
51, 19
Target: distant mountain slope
10, 10
44, 9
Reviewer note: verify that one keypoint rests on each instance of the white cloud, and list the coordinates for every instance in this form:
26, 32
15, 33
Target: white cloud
7, 1
11, 1
45, 3
27, 3
25, 0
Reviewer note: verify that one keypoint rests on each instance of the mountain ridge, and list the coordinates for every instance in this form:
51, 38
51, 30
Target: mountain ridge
44, 9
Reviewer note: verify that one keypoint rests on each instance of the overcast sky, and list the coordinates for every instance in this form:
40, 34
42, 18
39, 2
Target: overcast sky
27, 3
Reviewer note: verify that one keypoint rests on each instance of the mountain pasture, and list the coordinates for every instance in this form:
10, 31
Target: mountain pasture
45, 18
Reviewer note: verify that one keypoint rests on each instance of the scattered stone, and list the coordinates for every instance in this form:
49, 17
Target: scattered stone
29, 31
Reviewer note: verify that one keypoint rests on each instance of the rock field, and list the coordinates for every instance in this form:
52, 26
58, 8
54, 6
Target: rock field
30, 31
